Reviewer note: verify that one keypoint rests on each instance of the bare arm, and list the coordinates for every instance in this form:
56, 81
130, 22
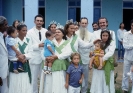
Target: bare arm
67, 80
16, 51
50, 49
81, 79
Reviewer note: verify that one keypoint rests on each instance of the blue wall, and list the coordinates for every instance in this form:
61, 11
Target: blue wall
56, 10
12, 10
113, 11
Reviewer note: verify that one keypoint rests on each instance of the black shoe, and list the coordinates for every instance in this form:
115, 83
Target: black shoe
125, 91
20, 68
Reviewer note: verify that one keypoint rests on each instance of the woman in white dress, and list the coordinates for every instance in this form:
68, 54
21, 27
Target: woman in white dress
55, 83
103, 80
21, 83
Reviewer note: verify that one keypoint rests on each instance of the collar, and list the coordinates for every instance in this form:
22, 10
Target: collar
56, 43
24, 40
37, 29
130, 32
74, 66
69, 37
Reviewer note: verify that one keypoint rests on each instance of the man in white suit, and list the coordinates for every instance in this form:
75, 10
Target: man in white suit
86, 36
3, 56
37, 36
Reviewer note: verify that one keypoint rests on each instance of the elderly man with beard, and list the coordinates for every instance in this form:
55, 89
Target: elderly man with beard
86, 36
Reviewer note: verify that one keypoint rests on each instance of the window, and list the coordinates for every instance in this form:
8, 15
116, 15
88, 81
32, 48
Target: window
41, 9
0, 7
74, 10
23, 10
128, 4
97, 10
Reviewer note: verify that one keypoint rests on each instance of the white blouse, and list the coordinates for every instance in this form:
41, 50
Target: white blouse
66, 51
28, 50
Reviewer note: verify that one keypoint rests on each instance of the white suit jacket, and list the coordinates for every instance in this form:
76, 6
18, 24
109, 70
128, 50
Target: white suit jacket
3, 58
33, 34
84, 53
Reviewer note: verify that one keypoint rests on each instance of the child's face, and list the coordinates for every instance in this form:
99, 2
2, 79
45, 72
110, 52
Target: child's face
97, 46
76, 60
15, 34
51, 37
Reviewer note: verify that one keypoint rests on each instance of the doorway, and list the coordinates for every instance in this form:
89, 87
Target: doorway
127, 17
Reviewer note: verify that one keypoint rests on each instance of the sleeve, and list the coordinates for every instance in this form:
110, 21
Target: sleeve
110, 52
48, 43
66, 52
11, 42
126, 43
83, 44
28, 54
69, 70
81, 69
118, 36
113, 36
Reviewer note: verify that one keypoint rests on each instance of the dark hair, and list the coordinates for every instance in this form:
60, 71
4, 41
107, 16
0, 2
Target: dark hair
48, 34
11, 30
64, 37
84, 18
131, 21
109, 38
103, 18
20, 26
2, 20
100, 43
74, 54
67, 26
120, 24
15, 22
94, 23
38, 16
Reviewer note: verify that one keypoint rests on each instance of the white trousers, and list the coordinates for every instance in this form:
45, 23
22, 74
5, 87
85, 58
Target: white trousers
35, 73
4, 87
73, 90
126, 69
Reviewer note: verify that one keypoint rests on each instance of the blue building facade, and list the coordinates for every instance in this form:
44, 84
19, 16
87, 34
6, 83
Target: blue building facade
116, 11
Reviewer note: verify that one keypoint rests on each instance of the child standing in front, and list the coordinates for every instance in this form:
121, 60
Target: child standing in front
12, 47
49, 50
74, 74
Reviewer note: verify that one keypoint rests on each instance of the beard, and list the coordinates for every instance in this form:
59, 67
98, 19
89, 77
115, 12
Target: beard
83, 33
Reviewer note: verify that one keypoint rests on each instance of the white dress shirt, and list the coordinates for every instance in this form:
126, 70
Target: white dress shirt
120, 34
128, 45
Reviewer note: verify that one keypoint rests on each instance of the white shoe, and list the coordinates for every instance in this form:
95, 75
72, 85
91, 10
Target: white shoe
129, 73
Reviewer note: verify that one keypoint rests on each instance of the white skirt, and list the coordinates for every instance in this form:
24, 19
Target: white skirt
19, 83
98, 84
45, 83
58, 84
54, 83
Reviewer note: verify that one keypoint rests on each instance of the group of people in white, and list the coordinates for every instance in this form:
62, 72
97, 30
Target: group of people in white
59, 57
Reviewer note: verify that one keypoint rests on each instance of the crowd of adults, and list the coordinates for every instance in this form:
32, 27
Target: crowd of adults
71, 38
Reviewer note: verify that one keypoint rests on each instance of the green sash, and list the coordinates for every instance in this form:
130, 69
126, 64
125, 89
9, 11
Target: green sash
60, 64
73, 42
72, 45
26, 66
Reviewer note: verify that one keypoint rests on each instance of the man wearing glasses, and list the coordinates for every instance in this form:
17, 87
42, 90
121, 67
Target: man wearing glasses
37, 36
86, 36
